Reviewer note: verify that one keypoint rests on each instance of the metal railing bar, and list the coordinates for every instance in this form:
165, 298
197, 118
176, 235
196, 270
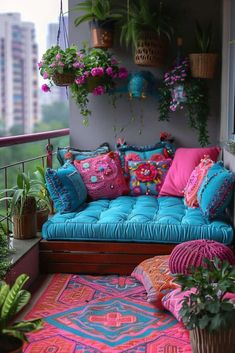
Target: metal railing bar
25, 161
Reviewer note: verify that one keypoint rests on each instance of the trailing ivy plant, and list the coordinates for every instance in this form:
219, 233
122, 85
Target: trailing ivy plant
180, 91
207, 307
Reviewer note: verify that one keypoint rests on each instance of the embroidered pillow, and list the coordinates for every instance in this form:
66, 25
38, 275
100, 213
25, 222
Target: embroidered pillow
215, 192
70, 154
103, 176
184, 162
155, 276
156, 152
66, 188
146, 177
195, 181
173, 301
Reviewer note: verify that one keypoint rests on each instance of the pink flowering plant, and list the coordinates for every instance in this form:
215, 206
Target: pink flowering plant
181, 92
95, 71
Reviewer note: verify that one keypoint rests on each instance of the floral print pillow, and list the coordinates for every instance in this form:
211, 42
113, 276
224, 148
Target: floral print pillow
147, 177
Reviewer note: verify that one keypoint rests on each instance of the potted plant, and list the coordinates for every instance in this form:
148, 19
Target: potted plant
96, 71
22, 207
12, 334
43, 200
148, 30
203, 63
4, 251
181, 92
101, 16
208, 312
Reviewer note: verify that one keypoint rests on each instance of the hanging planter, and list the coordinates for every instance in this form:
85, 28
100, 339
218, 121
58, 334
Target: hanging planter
151, 50
101, 34
203, 65
63, 79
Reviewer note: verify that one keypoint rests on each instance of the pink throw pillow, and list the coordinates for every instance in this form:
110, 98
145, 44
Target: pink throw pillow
184, 162
103, 176
195, 181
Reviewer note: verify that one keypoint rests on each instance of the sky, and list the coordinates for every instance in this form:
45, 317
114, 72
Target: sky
40, 12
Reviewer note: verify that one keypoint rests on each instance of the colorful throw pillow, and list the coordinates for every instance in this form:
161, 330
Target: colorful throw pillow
184, 162
66, 188
155, 276
156, 152
146, 177
215, 192
173, 301
70, 154
195, 181
103, 176
192, 253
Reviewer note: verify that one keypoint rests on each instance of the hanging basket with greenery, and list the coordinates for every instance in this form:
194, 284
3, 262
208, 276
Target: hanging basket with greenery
180, 91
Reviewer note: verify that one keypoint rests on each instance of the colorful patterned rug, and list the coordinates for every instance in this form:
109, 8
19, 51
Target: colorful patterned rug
102, 314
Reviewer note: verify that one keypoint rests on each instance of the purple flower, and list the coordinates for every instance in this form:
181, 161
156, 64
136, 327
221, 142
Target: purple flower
45, 88
40, 64
114, 61
97, 71
86, 73
58, 56
45, 75
123, 73
109, 71
98, 91
53, 64
78, 65
80, 80
61, 64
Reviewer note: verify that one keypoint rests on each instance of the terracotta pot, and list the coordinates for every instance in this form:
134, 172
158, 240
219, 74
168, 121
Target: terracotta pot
101, 34
65, 79
203, 341
24, 226
151, 50
203, 65
10, 344
42, 217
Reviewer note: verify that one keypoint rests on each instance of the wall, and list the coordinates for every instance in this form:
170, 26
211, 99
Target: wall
105, 117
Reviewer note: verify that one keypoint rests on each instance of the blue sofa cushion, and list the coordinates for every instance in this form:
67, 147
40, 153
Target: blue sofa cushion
137, 219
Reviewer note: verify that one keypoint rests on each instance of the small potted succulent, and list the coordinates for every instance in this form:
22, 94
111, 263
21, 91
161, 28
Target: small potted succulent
95, 71
208, 312
148, 29
101, 17
203, 62
12, 334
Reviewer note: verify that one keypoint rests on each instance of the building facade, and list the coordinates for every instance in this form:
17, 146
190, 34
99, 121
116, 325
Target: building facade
18, 74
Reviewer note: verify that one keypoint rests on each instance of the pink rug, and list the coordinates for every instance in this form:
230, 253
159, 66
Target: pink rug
103, 314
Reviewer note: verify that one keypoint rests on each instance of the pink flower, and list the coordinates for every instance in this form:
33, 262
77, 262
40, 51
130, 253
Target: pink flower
80, 80
45, 88
78, 65
53, 64
86, 73
98, 91
97, 71
45, 75
114, 61
40, 64
58, 56
123, 73
61, 64
109, 71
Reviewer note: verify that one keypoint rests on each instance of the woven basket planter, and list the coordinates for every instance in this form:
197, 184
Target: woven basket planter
65, 79
203, 341
203, 65
150, 50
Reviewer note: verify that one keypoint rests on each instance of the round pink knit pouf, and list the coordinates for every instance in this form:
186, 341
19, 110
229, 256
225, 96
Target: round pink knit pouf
192, 253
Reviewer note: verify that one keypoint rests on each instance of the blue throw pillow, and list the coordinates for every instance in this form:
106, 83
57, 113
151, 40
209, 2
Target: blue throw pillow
66, 188
215, 192
68, 153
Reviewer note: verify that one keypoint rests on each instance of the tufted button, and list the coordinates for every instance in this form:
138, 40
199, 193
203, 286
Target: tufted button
86, 165
93, 179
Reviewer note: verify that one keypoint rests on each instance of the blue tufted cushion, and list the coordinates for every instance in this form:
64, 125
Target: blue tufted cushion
215, 192
137, 219
63, 153
66, 188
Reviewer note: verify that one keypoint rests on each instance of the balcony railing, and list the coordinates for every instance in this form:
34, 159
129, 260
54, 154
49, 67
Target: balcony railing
44, 159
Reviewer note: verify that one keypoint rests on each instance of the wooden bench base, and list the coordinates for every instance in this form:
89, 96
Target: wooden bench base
96, 257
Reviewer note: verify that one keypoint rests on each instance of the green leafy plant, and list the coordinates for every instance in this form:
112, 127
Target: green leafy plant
179, 91
21, 196
203, 38
208, 308
141, 17
5, 250
42, 195
12, 300
100, 10
95, 72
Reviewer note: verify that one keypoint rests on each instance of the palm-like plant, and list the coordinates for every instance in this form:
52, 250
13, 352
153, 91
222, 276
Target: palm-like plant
100, 10
41, 192
12, 300
142, 17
